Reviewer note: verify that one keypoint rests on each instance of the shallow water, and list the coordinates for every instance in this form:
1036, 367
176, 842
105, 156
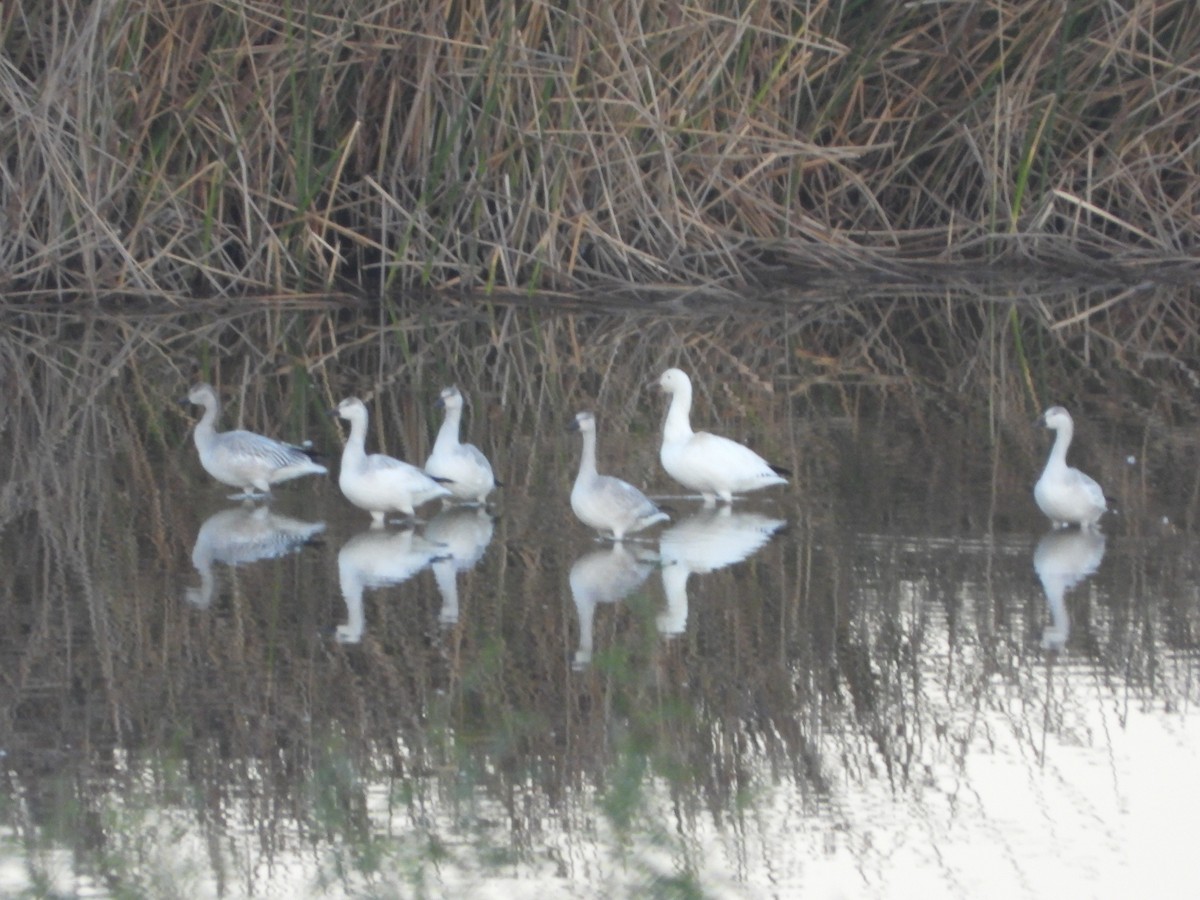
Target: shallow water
886, 679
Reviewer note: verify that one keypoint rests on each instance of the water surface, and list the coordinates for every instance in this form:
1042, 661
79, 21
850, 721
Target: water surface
887, 679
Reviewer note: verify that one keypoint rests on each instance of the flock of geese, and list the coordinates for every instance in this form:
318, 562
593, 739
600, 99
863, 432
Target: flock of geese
712, 466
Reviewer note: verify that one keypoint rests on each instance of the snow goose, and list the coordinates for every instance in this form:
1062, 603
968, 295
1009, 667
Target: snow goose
602, 501
243, 459
713, 465
377, 483
1064, 494
462, 468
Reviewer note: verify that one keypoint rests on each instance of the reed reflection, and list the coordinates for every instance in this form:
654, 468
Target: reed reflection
705, 542
464, 533
377, 558
240, 535
605, 576
1062, 559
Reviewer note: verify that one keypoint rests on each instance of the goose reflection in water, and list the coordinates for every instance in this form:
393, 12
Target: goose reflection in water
464, 534
374, 559
710, 540
243, 534
604, 576
1062, 560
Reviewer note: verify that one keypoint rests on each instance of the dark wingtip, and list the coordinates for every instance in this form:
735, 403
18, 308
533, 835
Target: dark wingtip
780, 470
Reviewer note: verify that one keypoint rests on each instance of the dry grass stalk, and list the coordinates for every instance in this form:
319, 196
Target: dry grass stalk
250, 148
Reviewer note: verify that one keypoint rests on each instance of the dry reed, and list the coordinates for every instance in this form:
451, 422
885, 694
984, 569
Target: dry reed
200, 149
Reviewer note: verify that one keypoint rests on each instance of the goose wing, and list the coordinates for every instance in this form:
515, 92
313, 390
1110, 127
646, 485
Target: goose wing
245, 448
622, 498
721, 460
1089, 486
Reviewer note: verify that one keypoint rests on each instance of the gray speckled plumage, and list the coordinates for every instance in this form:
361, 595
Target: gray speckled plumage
243, 459
602, 501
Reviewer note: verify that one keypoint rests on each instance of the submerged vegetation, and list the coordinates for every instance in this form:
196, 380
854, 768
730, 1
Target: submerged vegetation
250, 146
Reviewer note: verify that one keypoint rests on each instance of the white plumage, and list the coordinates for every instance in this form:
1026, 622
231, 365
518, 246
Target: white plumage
602, 501
377, 483
243, 459
462, 467
713, 465
1066, 495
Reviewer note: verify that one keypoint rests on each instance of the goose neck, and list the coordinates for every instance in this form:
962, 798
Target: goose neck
587, 459
1062, 441
448, 433
356, 442
678, 425
206, 428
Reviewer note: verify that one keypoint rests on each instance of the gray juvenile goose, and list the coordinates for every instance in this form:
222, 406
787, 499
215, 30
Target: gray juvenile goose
243, 459
602, 501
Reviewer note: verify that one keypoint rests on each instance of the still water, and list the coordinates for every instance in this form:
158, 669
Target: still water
887, 679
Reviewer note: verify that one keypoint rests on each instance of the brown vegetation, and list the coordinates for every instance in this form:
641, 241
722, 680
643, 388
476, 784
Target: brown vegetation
242, 147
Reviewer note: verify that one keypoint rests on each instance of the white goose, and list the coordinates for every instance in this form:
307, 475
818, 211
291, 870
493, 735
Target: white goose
461, 467
602, 501
243, 459
1066, 495
377, 483
713, 465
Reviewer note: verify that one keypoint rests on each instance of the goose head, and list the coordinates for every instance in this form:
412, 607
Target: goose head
673, 381
583, 422
450, 398
351, 408
202, 395
1055, 418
